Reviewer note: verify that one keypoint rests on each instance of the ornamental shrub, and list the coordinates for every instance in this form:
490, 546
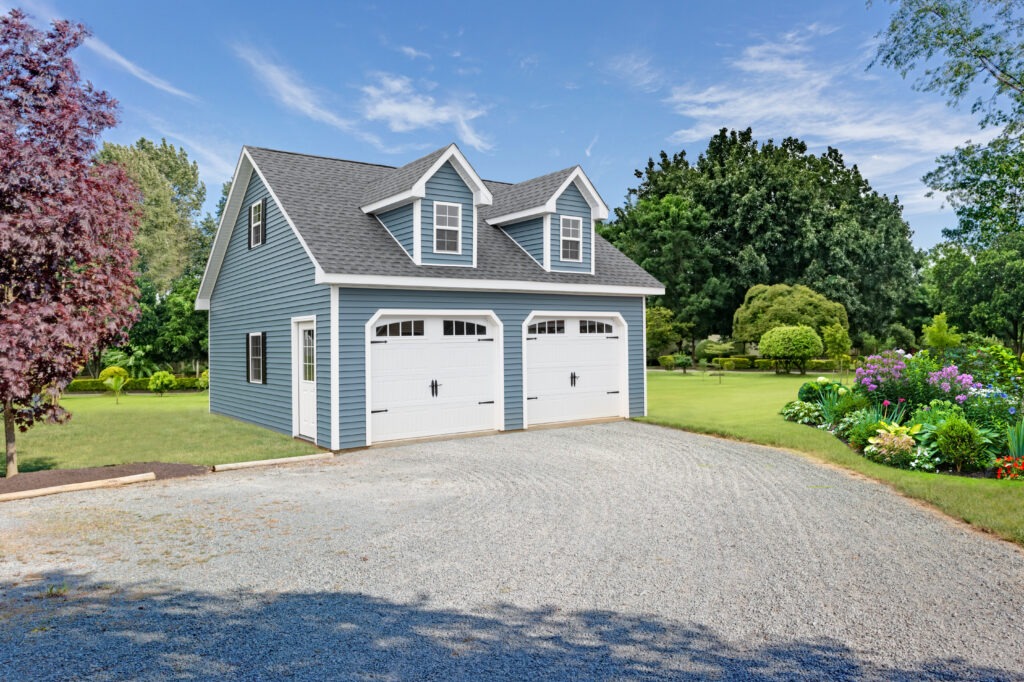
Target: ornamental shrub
961, 445
791, 346
763, 363
865, 428
894, 449
113, 371
802, 413
682, 361
667, 361
821, 365
161, 382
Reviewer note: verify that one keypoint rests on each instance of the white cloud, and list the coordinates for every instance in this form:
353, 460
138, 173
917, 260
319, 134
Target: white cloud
394, 100
787, 87
213, 157
110, 54
590, 147
287, 88
413, 53
636, 71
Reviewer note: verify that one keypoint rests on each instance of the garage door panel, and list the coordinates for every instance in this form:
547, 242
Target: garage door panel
434, 384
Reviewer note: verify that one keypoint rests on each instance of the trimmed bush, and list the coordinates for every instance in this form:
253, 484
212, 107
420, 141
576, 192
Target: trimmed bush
740, 362
791, 346
961, 445
728, 365
113, 371
763, 364
821, 365
161, 382
667, 361
87, 386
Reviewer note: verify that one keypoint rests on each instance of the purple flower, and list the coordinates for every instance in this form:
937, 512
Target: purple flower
961, 398
1013, 410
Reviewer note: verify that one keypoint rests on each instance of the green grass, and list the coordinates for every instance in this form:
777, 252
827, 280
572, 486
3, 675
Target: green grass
745, 406
176, 427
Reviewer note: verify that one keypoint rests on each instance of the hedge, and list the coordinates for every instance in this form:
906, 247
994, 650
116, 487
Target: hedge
732, 362
142, 385
762, 363
821, 365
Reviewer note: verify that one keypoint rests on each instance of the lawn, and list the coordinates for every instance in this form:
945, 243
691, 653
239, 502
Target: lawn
176, 427
745, 406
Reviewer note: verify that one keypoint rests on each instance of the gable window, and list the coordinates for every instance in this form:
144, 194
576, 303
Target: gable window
594, 327
461, 328
257, 223
447, 228
549, 327
572, 239
403, 328
256, 357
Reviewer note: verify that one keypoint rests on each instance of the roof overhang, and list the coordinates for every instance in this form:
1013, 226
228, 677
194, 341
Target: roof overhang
598, 209
452, 284
481, 195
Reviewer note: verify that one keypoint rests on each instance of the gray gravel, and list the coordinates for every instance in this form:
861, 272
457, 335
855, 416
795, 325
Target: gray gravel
599, 552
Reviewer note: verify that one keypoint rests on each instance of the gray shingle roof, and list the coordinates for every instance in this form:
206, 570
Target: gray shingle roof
528, 194
397, 180
322, 196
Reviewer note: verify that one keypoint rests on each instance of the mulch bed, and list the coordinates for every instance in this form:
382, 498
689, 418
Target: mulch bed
51, 477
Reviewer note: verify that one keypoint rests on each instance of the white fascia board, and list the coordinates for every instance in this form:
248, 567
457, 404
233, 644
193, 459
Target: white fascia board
389, 203
598, 208
518, 216
518, 286
245, 167
481, 195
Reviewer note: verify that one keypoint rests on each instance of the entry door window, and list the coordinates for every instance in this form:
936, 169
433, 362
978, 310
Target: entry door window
308, 355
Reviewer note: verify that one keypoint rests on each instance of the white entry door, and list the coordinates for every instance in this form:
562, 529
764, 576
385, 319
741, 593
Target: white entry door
433, 375
306, 379
574, 369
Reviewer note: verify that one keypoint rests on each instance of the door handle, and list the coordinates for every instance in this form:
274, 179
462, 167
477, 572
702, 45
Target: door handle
573, 378
434, 388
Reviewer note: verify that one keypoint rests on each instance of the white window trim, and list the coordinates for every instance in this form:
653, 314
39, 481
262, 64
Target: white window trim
248, 367
562, 238
252, 224
457, 252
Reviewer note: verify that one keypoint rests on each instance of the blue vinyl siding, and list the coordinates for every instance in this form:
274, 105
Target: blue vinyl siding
529, 234
358, 305
399, 223
260, 290
571, 203
446, 185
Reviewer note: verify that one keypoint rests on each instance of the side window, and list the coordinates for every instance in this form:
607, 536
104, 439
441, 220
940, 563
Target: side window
461, 328
403, 328
256, 357
447, 228
572, 239
594, 327
549, 327
257, 223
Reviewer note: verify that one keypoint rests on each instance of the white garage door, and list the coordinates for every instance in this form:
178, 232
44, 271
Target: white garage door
574, 369
433, 375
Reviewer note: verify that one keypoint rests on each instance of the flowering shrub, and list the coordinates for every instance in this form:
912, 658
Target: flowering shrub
1010, 468
923, 461
950, 380
892, 448
882, 369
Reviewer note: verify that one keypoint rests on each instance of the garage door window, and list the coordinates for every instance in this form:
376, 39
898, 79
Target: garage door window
462, 328
549, 327
594, 327
403, 328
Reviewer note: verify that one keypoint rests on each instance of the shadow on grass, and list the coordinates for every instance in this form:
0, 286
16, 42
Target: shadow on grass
65, 626
29, 464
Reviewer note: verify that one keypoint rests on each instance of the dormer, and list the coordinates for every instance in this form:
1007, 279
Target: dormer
552, 219
430, 207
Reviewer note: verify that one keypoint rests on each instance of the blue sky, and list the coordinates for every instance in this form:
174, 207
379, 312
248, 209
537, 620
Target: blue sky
524, 88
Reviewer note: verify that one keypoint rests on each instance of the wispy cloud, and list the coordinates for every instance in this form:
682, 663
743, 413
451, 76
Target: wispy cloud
288, 88
636, 71
413, 53
590, 147
787, 86
394, 100
213, 157
110, 54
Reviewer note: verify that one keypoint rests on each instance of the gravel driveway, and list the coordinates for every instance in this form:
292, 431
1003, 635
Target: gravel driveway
610, 551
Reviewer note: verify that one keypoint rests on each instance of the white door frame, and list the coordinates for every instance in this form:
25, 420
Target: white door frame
499, 339
297, 369
590, 315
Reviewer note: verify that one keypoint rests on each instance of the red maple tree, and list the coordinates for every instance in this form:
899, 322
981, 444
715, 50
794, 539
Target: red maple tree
66, 224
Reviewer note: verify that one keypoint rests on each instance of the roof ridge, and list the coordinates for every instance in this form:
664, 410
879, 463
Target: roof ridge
321, 156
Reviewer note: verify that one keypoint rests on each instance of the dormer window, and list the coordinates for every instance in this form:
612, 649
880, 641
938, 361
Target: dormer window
257, 230
447, 228
572, 239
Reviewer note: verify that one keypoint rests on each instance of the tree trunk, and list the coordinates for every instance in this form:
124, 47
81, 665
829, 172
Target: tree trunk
12, 457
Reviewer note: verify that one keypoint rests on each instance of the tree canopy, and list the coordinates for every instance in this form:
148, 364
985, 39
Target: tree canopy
749, 213
66, 284
765, 307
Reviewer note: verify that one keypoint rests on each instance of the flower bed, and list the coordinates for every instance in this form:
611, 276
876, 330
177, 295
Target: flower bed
959, 413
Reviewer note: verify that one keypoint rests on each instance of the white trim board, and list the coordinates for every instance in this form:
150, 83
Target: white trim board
511, 286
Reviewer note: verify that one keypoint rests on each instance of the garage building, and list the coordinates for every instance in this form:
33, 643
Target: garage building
353, 303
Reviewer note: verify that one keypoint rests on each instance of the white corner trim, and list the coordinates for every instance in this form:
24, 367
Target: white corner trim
245, 167
643, 331
417, 231
499, 339
547, 242
455, 284
335, 372
593, 246
590, 315
474, 244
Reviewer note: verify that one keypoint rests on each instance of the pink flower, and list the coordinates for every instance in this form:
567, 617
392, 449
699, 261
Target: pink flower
886, 403
903, 400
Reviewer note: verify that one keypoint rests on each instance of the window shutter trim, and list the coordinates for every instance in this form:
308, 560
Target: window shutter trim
263, 220
263, 343
248, 232
248, 367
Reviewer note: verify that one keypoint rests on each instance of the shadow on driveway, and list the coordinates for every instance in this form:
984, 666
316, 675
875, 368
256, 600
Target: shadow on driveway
65, 626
